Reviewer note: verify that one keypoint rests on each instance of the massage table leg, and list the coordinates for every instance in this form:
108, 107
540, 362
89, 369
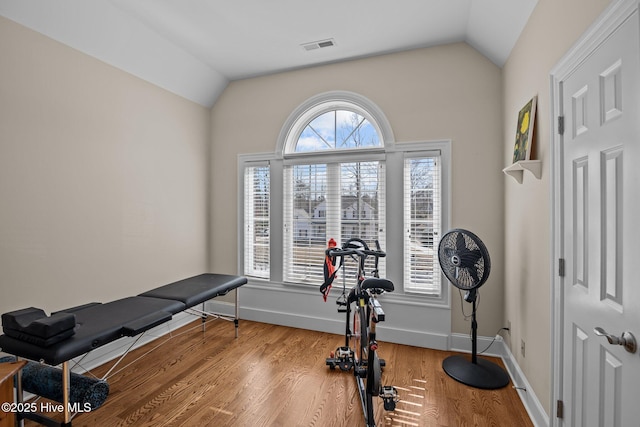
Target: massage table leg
203, 316
66, 382
235, 321
19, 393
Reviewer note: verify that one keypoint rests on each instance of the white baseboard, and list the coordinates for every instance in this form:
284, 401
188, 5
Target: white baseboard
293, 320
529, 399
498, 348
221, 307
488, 346
336, 326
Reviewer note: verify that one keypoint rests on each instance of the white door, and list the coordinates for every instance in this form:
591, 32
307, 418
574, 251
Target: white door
600, 214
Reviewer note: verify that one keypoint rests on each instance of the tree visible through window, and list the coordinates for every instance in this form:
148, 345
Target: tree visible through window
337, 130
330, 200
257, 186
422, 220
335, 171
334, 200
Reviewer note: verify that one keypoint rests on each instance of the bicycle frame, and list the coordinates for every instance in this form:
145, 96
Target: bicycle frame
368, 351
367, 314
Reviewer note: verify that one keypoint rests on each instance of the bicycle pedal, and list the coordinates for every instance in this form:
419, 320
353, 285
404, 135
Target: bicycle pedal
343, 358
389, 395
331, 363
342, 310
383, 363
343, 353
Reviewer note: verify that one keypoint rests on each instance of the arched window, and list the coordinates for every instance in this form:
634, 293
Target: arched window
337, 130
334, 180
337, 173
335, 121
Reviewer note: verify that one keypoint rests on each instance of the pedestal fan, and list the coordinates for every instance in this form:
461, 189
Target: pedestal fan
465, 262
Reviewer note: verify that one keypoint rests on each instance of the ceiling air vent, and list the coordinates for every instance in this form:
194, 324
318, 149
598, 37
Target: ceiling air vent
319, 44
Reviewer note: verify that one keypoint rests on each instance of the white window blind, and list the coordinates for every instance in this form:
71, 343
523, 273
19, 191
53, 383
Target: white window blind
256, 221
330, 200
422, 223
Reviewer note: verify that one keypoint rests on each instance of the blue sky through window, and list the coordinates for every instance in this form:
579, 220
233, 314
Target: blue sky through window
337, 130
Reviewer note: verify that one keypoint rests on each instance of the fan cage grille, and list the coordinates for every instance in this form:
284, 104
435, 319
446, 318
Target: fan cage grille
464, 259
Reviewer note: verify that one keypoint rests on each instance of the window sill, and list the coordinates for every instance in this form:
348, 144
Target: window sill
408, 299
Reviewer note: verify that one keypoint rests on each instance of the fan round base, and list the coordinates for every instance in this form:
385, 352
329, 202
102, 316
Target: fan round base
483, 374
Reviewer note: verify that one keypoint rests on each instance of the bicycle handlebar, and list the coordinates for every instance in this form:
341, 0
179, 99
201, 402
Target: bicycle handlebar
356, 246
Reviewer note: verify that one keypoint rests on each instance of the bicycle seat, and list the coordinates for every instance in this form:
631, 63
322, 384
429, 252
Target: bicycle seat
376, 283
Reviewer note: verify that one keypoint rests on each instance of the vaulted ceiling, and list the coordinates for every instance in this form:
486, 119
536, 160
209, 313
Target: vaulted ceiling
194, 48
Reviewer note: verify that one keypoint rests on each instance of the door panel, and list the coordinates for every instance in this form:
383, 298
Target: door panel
601, 240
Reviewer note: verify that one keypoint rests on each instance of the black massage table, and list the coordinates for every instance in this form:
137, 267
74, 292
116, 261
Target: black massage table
97, 324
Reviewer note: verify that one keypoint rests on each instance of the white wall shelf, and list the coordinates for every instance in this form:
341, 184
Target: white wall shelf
517, 169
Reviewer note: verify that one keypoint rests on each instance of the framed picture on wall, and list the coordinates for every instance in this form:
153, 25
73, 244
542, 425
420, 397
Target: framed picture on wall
524, 131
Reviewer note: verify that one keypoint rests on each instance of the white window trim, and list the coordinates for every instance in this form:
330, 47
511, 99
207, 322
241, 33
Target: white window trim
328, 101
391, 152
333, 162
394, 159
244, 160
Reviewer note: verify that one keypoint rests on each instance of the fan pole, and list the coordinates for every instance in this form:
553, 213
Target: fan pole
474, 335
465, 261
479, 372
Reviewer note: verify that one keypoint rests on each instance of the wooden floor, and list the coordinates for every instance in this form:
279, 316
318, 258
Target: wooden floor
276, 376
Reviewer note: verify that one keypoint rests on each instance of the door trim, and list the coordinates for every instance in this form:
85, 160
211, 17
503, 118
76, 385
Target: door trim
612, 18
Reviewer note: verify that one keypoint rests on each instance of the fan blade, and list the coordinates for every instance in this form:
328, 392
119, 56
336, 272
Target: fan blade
463, 280
469, 258
473, 272
449, 252
461, 245
464, 259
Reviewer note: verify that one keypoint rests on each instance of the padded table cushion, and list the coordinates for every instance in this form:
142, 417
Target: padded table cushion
197, 289
34, 321
39, 341
97, 325
34, 326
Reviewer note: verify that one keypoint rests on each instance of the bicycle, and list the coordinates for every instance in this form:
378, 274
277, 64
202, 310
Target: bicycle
360, 350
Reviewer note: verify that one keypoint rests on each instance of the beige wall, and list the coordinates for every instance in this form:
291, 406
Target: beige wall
447, 92
552, 29
103, 178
